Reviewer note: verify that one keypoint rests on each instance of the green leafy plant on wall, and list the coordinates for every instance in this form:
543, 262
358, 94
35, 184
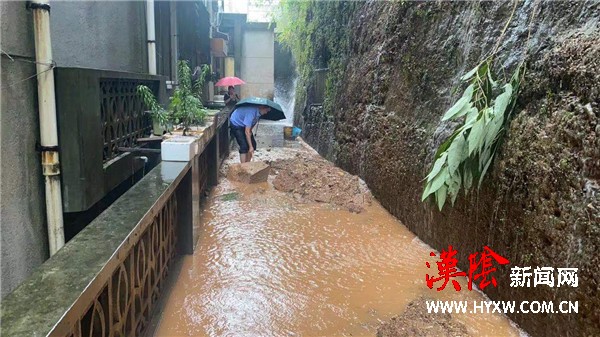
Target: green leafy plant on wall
465, 157
185, 106
318, 35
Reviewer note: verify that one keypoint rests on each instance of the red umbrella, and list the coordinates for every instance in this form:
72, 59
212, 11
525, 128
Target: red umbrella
227, 81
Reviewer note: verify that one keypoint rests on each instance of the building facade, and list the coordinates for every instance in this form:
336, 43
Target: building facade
257, 63
98, 47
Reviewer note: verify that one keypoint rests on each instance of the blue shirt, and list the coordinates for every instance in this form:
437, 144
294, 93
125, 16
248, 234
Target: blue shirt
245, 116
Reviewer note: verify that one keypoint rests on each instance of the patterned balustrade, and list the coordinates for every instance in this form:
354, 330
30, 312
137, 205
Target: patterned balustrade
122, 114
203, 167
124, 305
107, 280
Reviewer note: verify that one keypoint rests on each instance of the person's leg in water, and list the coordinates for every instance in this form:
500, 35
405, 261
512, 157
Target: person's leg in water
240, 137
250, 155
249, 136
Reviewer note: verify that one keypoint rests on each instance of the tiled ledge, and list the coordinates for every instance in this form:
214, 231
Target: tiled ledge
37, 305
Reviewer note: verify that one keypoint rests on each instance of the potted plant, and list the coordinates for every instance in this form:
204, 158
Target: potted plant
185, 108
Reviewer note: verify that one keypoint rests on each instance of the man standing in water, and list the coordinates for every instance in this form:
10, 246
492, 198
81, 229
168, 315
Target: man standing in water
243, 119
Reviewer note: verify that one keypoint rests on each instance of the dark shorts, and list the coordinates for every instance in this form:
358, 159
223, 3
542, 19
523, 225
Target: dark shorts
240, 136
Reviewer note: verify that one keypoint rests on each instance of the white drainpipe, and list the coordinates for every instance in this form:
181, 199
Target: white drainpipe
48, 129
174, 43
151, 37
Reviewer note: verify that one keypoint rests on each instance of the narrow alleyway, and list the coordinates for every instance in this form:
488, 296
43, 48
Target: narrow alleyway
269, 263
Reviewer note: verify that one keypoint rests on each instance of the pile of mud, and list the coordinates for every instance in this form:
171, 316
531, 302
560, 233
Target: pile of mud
417, 322
311, 178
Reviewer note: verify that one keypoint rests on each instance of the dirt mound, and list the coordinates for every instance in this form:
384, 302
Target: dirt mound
416, 321
312, 178
250, 172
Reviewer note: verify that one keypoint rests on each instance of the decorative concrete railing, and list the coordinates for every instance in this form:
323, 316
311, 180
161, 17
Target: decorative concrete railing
107, 280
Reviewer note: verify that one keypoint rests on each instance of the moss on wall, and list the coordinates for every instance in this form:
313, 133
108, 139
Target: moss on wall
319, 36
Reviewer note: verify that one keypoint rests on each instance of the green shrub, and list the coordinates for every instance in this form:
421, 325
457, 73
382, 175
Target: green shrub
185, 106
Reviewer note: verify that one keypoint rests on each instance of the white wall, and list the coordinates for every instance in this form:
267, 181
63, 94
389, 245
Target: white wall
258, 63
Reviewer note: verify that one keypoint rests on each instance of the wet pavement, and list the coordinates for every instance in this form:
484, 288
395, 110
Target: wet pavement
268, 265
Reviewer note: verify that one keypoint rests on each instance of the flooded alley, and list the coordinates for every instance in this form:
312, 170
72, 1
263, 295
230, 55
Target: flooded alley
300, 168
276, 263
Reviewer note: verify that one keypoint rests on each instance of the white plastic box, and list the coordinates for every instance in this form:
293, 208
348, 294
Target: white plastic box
178, 148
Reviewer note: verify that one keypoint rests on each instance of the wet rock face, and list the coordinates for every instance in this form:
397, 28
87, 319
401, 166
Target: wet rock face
320, 131
540, 205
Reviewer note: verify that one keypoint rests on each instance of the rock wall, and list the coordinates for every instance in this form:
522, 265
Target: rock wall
540, 204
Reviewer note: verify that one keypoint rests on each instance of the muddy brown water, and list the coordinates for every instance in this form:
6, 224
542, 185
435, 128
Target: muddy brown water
266, 265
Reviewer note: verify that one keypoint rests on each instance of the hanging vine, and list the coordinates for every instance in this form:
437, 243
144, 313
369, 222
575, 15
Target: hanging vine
467, 154
485, 109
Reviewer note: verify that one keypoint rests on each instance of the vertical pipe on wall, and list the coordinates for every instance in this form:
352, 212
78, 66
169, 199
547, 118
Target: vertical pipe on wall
48, 126
174, 42
150, 29
211, 24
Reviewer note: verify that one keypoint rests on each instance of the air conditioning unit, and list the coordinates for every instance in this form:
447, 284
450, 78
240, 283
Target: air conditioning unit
218, 47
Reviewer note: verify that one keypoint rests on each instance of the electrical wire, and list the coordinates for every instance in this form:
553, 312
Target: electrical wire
21, 59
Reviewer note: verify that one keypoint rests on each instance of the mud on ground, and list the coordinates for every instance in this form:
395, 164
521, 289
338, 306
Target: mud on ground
417, 322
311, 178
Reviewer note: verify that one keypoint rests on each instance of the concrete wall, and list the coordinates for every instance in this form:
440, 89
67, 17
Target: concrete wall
108, 35
257, 63
22, 213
